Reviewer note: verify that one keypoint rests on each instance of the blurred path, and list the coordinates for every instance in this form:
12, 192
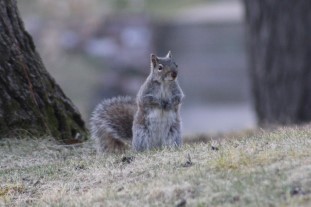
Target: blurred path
214, 12
217, 118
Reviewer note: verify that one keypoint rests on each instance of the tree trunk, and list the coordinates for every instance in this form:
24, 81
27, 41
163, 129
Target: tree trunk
279, 40
30, 99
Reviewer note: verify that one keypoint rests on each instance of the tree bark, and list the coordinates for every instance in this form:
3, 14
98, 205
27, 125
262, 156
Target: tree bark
279, 43
30, 99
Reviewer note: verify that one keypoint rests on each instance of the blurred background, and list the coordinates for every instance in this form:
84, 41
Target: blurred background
99, 49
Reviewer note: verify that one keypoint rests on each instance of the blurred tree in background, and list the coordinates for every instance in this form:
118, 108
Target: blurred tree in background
30, 99
280, 59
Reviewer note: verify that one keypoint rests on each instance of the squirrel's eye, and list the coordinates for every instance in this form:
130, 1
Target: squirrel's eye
160, 67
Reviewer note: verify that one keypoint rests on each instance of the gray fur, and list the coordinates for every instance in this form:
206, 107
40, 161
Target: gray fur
153, 121
111, 124
157, 121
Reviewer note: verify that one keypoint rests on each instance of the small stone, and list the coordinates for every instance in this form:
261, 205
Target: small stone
181, 203
128, 159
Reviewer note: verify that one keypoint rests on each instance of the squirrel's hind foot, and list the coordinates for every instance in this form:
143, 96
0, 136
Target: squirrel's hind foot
112, 145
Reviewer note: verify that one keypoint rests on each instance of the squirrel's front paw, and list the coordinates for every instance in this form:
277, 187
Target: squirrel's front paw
165, 105
176, 100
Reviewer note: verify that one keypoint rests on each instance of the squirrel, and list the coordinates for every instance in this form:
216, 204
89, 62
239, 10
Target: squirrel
151, 121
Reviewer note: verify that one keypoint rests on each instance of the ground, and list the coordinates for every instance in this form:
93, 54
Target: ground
258, 168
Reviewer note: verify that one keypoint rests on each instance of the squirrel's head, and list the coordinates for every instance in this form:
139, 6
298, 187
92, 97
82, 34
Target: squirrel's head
163, 68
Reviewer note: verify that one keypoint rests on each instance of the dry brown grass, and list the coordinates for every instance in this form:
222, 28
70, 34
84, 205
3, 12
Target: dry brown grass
259, 169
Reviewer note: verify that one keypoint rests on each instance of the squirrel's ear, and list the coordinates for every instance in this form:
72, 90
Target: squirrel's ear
169, 54
154, 60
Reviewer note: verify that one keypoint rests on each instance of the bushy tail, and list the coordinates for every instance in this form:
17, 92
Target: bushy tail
111, 124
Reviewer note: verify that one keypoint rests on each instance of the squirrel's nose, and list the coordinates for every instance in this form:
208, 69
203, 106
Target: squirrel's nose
174, 74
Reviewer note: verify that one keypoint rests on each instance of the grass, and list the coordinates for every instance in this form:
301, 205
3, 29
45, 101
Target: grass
247, 169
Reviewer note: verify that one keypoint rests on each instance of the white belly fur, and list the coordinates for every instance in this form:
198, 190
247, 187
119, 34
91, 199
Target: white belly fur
160, 124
